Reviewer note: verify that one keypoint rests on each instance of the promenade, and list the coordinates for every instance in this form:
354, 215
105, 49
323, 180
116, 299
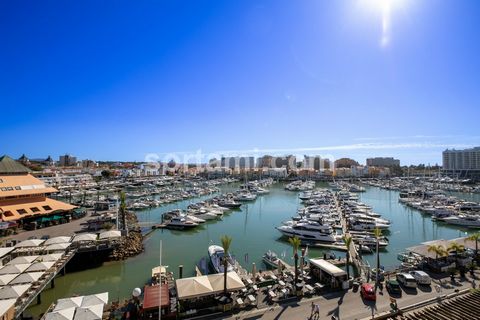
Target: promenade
348, 305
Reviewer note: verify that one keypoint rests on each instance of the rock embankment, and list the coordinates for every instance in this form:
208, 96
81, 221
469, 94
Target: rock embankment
132, 244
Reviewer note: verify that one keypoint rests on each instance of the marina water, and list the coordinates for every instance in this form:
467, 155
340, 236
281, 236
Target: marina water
253, 231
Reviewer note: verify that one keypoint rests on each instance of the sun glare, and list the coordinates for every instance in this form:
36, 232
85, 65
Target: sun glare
384, 8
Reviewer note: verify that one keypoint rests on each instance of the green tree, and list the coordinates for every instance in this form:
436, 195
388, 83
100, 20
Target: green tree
226, 242
456, 248
295, 242
348, 243
438, 250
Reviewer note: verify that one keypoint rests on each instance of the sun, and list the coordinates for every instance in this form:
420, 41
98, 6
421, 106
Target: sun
384, 8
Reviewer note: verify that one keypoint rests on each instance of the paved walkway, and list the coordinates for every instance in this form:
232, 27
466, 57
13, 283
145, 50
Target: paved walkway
349, 305
66, 229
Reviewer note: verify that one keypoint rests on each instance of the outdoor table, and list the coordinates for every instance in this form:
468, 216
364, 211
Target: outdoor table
251, 298
284, 291
239, 301
261, 279
249, 281
281, 283
309, 287
273, 277
244, 290
271, 294
254, 287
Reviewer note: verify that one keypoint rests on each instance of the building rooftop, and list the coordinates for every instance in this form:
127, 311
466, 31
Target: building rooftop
10, 166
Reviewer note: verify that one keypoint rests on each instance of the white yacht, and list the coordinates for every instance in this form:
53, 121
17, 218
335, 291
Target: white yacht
308, 231
245, 196
181, 223
467, 221
217, 254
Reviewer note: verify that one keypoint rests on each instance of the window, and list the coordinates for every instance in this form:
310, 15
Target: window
1, 181
47, 208
34, 209
3, 189
8, 214
22, 211
9, 189
18, 188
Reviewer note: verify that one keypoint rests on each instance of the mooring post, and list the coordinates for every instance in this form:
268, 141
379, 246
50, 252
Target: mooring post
52, 283
39, 299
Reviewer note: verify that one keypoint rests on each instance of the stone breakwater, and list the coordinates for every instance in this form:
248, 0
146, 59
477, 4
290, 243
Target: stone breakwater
132, 244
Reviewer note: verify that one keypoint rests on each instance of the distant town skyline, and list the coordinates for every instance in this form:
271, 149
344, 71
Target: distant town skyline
119, 81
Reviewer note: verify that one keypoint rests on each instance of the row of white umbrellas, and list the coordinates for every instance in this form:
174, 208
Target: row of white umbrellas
79, 308
59, 243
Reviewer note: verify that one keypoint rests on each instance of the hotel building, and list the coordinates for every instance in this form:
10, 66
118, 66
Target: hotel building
462, 163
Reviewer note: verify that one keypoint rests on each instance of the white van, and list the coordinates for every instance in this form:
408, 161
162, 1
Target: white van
421, 277
407, 280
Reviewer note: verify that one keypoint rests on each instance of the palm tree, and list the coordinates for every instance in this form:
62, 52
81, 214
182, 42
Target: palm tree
475, 237
295, 242
456, 248
377, 233
226, 242
348, 243
438, 250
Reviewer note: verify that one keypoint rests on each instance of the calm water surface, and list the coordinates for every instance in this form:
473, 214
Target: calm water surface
253, 233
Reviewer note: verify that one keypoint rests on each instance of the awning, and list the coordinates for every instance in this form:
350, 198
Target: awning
56, 240
67, 303
49, 257
40, 266
151, 297
85, 237
6, 278
234, 283
58, 247
64, 314
95, 299
327, 267
17, 268
110, 234
13, 292
29, 243
6, 305
5, 251
188, 288
27, 277
22, 260
33, 209
89, 313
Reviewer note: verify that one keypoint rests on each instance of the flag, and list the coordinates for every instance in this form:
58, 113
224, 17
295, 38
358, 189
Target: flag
306, 251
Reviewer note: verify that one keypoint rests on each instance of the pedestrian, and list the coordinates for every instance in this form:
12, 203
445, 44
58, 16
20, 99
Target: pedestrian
313, 309
316, 313
474, 284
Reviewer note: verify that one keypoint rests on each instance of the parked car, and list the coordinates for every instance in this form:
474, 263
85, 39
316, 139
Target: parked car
421, 277
393, 287
367, 291
407, 280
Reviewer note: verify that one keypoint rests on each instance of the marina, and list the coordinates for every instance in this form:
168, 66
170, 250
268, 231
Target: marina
253, 233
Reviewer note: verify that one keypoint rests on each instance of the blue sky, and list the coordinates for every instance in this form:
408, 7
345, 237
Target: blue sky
121, 79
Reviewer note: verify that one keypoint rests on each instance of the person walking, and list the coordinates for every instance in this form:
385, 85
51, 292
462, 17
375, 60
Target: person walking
316, 312
313, 309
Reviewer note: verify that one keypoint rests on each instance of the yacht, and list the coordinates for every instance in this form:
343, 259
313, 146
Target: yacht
181, 223
217, 254
468, 221
308, 231
245, 196
229, 203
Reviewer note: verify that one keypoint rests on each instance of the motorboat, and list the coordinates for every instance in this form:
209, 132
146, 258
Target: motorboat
270, 258
181, 223
468, 221
245, 196
216, 255
229, 203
